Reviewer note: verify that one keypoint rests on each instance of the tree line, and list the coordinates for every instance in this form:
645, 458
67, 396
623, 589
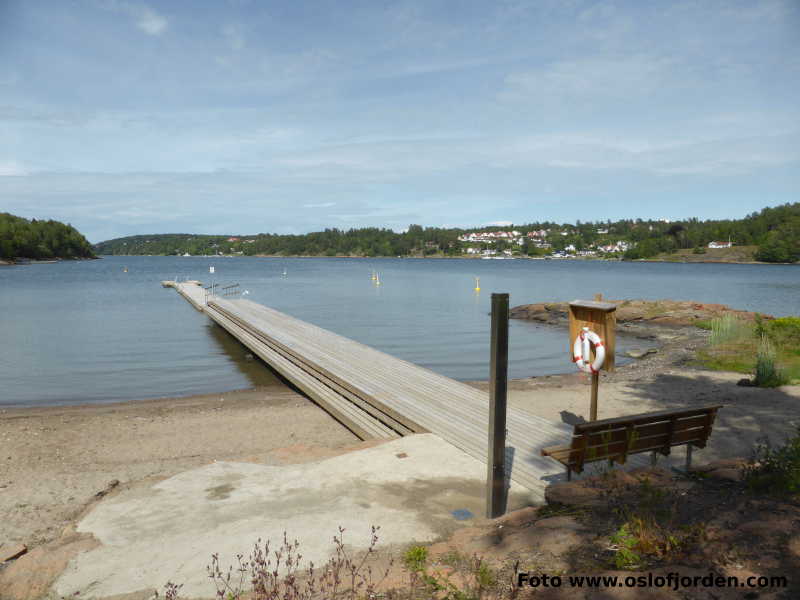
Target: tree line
23, 238
774, 231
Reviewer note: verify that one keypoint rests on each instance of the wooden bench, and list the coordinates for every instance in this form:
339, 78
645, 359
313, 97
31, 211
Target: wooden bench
615, 439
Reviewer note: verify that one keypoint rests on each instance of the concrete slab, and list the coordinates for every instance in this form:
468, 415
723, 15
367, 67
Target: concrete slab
410, 487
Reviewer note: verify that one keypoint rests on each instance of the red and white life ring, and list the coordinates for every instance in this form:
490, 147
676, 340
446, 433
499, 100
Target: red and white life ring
581, 351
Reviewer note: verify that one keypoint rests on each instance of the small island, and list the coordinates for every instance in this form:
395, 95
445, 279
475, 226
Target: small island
23, 240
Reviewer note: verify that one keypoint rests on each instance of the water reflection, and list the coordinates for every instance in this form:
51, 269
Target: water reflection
248, 364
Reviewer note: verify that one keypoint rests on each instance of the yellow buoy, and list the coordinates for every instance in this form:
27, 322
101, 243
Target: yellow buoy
477, 284
374, 276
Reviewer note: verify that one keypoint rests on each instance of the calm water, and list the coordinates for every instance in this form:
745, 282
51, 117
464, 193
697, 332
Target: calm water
89, 332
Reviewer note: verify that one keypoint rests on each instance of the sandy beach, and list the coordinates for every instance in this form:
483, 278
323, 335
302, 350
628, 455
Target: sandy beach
56, 460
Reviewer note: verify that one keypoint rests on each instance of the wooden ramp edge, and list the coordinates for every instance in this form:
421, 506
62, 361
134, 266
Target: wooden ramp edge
359, 422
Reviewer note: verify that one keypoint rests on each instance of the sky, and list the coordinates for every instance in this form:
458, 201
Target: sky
127, 117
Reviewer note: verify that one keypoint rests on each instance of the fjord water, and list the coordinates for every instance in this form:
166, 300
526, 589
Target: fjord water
88, 331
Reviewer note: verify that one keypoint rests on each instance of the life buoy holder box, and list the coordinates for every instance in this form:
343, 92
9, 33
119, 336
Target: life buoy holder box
600, 319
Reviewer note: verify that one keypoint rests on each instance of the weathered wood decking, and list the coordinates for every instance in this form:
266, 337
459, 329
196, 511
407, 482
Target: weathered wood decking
377, 395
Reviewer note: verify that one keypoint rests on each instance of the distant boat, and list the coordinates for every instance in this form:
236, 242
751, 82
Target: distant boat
187, 254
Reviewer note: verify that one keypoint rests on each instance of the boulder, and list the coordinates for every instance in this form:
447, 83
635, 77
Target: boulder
640, 352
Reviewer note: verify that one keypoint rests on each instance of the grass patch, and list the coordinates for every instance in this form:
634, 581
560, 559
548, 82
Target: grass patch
769, 350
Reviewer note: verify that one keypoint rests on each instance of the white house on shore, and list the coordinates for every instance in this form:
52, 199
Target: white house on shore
720, 244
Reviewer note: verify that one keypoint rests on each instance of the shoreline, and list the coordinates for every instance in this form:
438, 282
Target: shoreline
536, 258
49, 261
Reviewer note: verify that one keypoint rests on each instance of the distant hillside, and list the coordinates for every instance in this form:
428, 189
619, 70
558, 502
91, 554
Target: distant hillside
21, 238
774, 231
771, 235
164, 244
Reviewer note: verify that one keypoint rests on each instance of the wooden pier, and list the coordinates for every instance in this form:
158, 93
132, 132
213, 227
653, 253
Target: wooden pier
376, 395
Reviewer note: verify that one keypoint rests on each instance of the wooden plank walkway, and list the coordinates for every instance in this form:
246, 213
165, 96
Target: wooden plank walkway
378, 395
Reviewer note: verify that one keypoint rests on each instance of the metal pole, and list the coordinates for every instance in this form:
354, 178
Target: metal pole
498, 388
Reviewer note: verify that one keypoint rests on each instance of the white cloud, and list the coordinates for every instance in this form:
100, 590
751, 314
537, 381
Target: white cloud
592, 78
322, 205
500, 223
12, 168
234, 35
150, 21
145, 18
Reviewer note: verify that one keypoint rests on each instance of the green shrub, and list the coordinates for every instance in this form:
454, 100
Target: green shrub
416, 558
767, 373
775, 470
626, 557
784, 331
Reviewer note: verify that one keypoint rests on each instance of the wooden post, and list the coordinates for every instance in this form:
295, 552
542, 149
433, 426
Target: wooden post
595, 380
498, 388
688, 457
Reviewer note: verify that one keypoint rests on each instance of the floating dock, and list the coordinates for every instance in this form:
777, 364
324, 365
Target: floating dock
377, 395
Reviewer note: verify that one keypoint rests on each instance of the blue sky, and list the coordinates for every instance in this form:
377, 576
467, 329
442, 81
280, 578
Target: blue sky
126, 117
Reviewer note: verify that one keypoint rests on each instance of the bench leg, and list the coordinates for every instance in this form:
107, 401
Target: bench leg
653, 459
569, 474
688, 456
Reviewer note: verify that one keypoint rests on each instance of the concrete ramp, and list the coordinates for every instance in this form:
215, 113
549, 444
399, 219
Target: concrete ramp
410, 487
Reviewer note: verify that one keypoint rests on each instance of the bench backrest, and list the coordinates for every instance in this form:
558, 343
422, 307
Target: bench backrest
615, 439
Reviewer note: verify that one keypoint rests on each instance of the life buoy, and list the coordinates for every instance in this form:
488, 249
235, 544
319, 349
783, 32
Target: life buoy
581, 351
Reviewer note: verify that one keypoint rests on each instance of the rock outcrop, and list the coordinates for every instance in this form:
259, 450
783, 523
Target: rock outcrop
670, 313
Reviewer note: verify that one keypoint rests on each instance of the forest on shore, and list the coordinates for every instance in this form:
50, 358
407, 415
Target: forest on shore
40, 240
774, 230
